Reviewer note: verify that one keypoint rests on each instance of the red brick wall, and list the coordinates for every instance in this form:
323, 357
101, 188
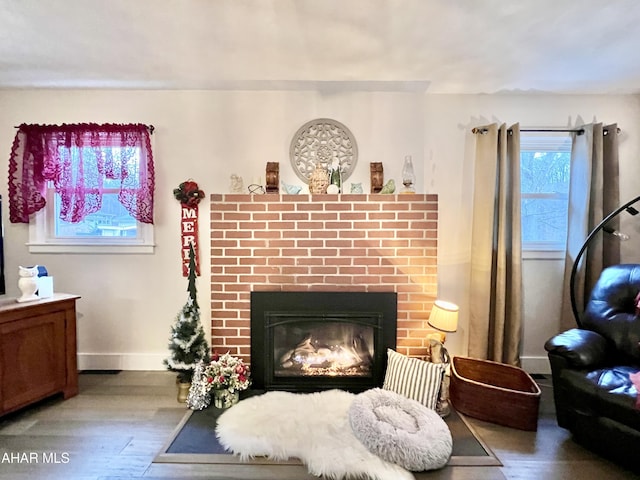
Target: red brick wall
360, 243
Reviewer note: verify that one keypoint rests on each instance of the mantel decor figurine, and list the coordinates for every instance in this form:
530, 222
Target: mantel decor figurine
377, 176
236, 183
335, 178
389, 187
319, 180
272, 177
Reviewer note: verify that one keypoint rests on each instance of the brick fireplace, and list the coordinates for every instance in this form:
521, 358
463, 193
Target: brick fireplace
343, 243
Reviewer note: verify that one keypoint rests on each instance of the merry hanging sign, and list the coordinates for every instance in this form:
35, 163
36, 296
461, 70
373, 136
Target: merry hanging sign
189, 195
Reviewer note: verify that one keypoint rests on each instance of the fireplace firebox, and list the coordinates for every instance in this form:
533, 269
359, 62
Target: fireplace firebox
310, 341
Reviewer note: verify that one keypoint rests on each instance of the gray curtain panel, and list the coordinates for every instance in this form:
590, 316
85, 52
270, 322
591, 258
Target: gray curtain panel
495, 327
593, 194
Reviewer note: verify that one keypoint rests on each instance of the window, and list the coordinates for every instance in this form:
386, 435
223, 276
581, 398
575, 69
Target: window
544, 170
111, 229
102, 232
83, 188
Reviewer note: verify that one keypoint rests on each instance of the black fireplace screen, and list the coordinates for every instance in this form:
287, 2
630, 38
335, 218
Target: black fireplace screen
309, 341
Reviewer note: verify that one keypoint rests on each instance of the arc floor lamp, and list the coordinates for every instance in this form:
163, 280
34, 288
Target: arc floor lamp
601, 226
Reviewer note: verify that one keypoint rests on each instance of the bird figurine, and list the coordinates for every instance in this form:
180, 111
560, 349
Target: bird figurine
389, 187
290, 189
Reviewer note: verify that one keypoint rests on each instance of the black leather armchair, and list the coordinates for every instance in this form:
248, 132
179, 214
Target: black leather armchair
594, 397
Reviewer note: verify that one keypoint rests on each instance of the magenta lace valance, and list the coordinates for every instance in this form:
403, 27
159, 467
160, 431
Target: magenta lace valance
78, 159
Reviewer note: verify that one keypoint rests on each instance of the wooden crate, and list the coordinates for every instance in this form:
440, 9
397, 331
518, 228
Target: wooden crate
494, 392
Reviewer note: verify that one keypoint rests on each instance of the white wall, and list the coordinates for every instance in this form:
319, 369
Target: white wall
128, 302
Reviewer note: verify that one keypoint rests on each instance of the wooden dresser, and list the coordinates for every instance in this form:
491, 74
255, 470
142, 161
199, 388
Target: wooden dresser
37, 350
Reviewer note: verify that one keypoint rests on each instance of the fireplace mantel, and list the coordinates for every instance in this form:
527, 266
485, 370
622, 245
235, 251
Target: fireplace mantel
347, 243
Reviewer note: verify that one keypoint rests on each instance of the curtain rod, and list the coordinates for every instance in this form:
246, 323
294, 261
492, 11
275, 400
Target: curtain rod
579, 131
151, 128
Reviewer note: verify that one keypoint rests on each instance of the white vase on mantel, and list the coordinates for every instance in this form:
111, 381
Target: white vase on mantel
28, 283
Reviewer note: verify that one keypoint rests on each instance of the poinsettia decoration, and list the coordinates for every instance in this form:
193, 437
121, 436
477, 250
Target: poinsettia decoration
188, 193
225, 373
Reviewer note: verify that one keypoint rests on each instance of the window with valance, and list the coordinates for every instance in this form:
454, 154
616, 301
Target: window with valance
82, 183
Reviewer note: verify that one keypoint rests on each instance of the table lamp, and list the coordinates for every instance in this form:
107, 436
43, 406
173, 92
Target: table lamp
444, 318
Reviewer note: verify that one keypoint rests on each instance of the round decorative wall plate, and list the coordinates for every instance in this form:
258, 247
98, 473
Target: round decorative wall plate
326, 142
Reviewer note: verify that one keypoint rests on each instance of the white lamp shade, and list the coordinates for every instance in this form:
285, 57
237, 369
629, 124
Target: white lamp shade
444, 316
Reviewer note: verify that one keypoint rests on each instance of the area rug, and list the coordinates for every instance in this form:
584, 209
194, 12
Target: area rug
195, 441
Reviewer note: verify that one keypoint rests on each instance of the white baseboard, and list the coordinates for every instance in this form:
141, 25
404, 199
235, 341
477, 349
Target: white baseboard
536, 365
121, 361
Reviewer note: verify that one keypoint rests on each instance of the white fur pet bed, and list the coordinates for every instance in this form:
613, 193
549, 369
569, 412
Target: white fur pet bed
400, 430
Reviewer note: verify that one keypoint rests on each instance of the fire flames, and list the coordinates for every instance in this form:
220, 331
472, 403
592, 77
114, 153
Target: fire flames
328, 360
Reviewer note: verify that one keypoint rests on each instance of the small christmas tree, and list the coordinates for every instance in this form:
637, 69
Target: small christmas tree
188, 344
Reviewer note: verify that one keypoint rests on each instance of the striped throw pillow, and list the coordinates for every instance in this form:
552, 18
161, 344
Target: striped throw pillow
413, 378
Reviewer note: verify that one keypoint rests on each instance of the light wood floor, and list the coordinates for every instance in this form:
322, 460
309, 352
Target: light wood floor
118, 423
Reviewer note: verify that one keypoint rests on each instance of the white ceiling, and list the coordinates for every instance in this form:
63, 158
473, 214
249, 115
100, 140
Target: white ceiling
438, 46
